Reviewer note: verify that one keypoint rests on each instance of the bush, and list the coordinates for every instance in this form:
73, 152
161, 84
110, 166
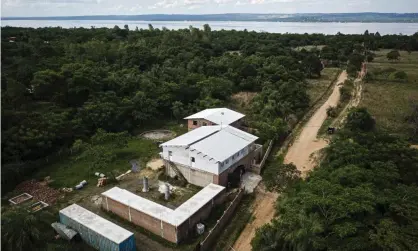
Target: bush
345, 93
369, 77
399, 75
332, 112
360, 119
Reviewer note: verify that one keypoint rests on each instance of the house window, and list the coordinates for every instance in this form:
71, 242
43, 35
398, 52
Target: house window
192, 159
170, 153
237, 154
205, 124
194, 122
227, 161
221, 164
233, 157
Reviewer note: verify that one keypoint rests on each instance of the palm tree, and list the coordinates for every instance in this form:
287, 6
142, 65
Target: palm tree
21, 230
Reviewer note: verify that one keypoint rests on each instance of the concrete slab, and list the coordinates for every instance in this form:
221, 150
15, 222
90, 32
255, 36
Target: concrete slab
250, 181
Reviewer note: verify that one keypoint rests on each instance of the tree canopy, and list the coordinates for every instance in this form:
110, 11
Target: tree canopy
363, 196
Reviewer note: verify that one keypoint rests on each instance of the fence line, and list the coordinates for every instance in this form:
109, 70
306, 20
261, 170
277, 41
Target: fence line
266, 155
218, 228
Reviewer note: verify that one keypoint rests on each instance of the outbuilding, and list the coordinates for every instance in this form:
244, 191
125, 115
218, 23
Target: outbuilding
96, 231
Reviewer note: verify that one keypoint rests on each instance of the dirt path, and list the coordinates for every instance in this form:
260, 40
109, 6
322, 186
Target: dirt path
263, 212
299, 153
307, 143
354, 102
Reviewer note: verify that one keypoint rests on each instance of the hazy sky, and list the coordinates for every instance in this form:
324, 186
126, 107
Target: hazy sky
132, 7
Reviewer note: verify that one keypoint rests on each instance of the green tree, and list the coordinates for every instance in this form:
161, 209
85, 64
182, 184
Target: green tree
312, 65
393, 55
360, 119
22, 230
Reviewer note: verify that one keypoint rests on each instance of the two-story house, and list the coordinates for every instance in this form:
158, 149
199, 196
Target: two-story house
214, 116
208, 154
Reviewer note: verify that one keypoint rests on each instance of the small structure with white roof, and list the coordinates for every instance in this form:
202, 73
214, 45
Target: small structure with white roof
214, 116
172, 225
98, 232
209, 153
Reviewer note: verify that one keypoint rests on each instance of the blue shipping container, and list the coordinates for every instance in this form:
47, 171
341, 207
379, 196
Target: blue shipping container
97, 231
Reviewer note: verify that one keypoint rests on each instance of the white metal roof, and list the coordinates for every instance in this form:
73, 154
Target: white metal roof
174, 217
217, 142
221, 146
96, 223
192, 136
220, 116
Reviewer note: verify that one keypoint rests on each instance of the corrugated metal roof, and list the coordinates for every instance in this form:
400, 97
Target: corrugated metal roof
192, 136
96, 223
174, 217
217, 142
220, 116
221, 146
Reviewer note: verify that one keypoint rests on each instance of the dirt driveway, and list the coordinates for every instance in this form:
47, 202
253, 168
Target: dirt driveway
300, 154
263, 212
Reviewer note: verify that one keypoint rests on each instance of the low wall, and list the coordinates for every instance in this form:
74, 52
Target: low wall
257, 168
172, 233
213, 234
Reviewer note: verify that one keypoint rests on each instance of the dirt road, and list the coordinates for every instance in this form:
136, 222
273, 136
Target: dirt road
299, 153
306, 144
263, 213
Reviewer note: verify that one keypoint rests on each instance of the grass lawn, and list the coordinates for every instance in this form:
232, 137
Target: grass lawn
69, 172
388, 101
317, 87
405, 58
389, 104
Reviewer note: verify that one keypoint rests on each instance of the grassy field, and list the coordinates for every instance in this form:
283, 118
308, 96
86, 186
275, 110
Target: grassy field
388, 100
317, 87
69, 172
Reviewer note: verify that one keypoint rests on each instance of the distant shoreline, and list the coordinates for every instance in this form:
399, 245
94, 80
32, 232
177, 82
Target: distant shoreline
366, 17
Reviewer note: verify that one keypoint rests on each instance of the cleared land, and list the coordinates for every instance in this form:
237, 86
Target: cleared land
307, 143
317, 87
390, 100
309, 47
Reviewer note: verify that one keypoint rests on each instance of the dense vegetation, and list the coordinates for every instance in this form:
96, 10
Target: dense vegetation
85, 90
364, 196
59, 85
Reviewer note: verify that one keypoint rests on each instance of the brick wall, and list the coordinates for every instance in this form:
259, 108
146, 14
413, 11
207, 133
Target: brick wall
146, 221
200, 122
213, 233
167, 231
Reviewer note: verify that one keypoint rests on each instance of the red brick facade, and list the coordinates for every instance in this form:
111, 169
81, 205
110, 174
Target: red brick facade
165, 230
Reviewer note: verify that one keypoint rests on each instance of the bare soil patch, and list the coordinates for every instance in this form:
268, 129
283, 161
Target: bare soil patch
263, 213
244, 97
39, 191
155, 164
158, 134
301, 152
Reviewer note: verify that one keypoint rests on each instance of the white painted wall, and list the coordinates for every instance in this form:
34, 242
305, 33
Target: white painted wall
243, 152
181, 155
204, 163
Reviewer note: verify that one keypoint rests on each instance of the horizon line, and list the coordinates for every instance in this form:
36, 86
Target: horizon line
203, 14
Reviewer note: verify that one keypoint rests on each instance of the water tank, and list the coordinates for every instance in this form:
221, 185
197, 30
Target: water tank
200, 228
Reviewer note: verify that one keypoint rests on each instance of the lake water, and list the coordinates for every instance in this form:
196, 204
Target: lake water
273, 27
